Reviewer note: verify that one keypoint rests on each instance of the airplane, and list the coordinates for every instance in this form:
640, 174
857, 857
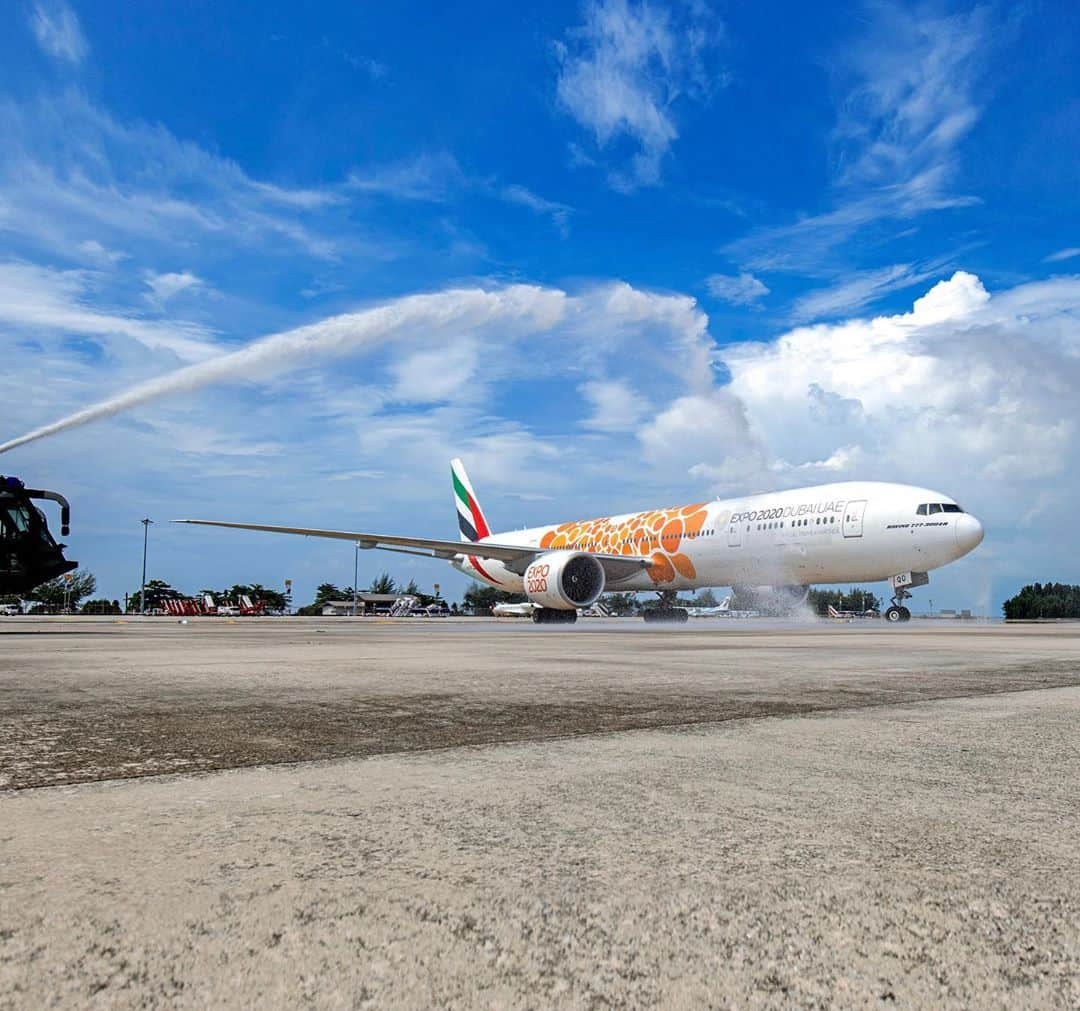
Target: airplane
723, 608
523, 610
849, 532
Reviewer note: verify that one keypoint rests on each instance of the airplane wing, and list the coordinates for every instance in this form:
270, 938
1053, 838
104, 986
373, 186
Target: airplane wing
514, 557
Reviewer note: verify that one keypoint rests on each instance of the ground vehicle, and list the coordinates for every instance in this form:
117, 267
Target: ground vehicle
9, 610
28, 554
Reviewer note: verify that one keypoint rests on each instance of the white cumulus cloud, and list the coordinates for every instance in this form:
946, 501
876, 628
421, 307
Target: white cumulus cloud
616, 407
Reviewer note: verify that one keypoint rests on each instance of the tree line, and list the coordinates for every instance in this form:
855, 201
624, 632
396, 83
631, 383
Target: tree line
1037, 600
75, 592
855, 599
1044, 600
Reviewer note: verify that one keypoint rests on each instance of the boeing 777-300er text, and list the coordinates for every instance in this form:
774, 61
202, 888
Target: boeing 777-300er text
851, 532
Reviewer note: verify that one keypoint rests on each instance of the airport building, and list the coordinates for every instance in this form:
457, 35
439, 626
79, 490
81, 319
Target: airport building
365, 603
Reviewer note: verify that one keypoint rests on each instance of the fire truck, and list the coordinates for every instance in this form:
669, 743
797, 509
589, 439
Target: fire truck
29, 556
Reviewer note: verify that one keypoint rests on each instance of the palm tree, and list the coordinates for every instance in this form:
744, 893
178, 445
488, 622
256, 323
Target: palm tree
383, 583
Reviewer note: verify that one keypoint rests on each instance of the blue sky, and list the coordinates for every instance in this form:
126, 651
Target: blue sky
629, 254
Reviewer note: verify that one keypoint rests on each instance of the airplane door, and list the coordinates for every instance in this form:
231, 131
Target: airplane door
734, 535
853, 517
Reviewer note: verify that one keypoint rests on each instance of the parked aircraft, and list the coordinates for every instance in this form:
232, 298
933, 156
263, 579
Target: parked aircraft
524, 610
721, 609
850, 532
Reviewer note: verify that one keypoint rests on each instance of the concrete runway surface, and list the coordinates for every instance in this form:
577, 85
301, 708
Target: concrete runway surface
492, 814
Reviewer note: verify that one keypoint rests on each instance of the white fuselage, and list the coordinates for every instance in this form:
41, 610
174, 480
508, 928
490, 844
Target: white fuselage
836, 533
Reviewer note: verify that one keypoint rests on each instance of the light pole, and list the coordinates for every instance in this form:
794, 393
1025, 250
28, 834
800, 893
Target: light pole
355, 575
142, 588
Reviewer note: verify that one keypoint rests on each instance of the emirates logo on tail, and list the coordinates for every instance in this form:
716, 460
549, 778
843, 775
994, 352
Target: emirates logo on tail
471, 522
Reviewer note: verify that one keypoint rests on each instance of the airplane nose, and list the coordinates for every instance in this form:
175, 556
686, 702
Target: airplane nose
969, 533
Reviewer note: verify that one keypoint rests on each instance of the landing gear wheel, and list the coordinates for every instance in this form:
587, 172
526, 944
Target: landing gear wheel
667, 611
670, 615
898, 612
553, 616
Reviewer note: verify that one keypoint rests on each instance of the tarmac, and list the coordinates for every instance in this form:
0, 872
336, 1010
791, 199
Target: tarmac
438, 813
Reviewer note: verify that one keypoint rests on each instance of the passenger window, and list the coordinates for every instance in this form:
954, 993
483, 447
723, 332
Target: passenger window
934, 508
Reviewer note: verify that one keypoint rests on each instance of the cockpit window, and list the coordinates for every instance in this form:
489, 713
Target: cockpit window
18, 517
930, 508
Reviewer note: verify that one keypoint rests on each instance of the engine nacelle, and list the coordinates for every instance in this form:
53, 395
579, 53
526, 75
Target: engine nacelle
564, 580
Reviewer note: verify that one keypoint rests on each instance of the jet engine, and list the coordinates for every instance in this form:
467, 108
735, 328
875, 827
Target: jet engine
564, 580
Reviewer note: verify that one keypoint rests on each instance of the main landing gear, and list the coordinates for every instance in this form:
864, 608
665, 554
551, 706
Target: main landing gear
900, 584
554, 616
667, 611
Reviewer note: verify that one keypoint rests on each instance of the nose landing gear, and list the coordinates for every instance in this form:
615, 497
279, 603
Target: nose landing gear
897, 612
900, 585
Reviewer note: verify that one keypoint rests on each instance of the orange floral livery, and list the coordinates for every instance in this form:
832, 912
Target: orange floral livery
658, 533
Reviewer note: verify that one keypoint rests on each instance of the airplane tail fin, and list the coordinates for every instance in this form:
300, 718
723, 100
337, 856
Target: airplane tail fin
471, 521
